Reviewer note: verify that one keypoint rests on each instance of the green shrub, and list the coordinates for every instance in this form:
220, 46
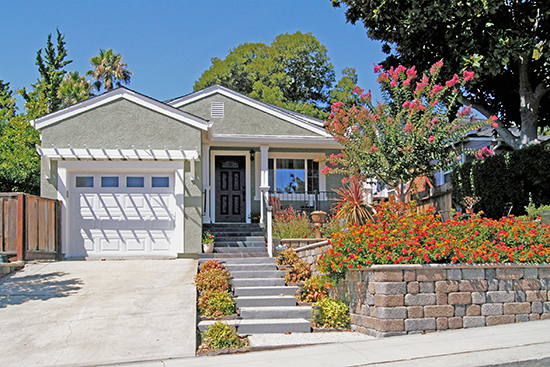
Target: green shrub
534, 212
287, 257
211, 264
511, 177
314, 289
333, 314
221, 335
292, 224
216, 304
212, 280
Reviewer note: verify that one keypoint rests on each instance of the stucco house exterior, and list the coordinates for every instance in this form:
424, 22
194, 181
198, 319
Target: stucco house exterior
139, 177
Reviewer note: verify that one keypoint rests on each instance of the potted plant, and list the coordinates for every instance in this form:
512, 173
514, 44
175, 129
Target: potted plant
208, 242
254, 217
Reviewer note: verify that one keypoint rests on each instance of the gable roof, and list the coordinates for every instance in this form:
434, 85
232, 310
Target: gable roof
307, 122
114, 95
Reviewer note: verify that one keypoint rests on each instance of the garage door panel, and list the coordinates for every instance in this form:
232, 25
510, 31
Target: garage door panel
135, 221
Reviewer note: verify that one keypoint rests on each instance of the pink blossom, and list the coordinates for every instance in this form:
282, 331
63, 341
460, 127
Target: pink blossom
434, 121
400, 69
438, 65
357, 90
377, 68
431, 139
477, 155
436, 89
407, 82
493, 120
384, 77
468, 75
465, 111
453, 81
407, 104
325, 170
408, 127
336, 106
411, 73
393, 83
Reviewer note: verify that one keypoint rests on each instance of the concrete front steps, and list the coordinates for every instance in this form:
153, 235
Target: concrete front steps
243, 239
265, 304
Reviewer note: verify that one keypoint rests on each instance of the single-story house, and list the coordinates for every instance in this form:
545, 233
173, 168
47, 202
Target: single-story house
139, 177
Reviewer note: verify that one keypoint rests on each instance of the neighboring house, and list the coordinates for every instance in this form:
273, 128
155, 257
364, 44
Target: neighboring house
139, 177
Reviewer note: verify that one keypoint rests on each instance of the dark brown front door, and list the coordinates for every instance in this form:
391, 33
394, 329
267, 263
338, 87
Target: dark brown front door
230, 189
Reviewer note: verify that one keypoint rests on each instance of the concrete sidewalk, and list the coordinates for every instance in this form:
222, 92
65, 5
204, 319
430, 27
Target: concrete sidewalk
522, 344
74, 313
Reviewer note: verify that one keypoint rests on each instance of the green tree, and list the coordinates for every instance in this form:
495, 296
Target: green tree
293, 72
506, 42
409, 136
108, 70
45, 97
74, 88
19, 161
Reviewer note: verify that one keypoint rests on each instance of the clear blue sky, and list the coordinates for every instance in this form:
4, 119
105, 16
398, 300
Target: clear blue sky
168, 44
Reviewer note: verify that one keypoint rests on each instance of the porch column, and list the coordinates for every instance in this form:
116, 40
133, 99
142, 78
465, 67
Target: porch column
206, 182
264, 178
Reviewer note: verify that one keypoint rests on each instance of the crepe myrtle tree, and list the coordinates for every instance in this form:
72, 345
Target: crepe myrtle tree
410, 135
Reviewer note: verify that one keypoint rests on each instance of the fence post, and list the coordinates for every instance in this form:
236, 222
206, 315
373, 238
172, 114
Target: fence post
270, 231
316, 206
58, 232
21, 219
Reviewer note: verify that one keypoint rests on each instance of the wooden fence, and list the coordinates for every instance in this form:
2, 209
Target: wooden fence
30, 227
439, 197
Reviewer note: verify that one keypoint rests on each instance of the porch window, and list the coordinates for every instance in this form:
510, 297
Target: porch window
293, 175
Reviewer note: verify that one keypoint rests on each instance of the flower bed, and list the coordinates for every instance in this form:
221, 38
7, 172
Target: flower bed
399, 235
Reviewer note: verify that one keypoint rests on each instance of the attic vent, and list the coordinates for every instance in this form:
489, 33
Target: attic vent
216, 109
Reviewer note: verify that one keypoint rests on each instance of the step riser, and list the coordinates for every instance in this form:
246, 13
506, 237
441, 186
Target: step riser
265, 291
258, 282
234, 256
241, 238
238, 250
257, 274
266, 302
218, 244
277, 328
259, 267
276, 313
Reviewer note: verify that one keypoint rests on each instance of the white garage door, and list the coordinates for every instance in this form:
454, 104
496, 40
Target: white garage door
121, 215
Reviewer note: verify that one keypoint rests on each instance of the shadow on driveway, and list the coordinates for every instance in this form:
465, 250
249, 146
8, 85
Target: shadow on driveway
17, 289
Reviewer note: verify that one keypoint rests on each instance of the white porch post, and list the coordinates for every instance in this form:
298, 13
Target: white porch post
206, 182
264, 178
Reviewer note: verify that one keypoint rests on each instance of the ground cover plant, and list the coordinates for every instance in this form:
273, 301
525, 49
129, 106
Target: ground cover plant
300, 270
400, 235
314, 289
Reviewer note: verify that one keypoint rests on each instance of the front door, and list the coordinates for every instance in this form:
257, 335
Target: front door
230, 189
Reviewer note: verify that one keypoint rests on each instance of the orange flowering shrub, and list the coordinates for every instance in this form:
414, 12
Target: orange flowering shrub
399, 235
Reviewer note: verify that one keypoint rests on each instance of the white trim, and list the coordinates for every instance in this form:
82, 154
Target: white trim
260, 139
292, 117
291, 155
248, 195
67, 169
114, 95
206, 181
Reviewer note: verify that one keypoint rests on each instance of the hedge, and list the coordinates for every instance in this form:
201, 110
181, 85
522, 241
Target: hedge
511, 177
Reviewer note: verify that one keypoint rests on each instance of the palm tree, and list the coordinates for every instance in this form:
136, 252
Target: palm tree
73, 89
109, 70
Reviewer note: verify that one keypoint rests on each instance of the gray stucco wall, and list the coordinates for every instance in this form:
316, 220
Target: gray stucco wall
242, 119
127, 124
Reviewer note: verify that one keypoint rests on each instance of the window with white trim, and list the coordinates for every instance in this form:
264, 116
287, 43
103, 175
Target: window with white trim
289, 175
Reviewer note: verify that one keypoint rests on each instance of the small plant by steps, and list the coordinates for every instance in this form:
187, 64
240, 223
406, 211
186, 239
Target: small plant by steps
314, 289
221, 335
333, 314
216, 304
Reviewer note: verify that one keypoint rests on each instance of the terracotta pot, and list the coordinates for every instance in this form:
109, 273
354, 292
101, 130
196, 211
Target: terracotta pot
318, 216
208, 248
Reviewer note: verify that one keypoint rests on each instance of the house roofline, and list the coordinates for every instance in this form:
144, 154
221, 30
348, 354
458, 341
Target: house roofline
114, 95
307, 122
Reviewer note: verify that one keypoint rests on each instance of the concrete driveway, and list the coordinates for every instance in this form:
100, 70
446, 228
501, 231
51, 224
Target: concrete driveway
74, 313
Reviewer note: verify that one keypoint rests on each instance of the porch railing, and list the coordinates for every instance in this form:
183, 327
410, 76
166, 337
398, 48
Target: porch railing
303, 201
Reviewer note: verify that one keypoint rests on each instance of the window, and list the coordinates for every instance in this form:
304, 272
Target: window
109, 181
160, 181
293, 175
85, 181
135, 181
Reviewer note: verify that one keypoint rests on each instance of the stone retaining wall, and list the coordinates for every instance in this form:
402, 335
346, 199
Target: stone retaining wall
388, 300
310, 252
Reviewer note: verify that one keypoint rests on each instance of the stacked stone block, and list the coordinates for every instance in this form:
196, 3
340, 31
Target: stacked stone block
388, 300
